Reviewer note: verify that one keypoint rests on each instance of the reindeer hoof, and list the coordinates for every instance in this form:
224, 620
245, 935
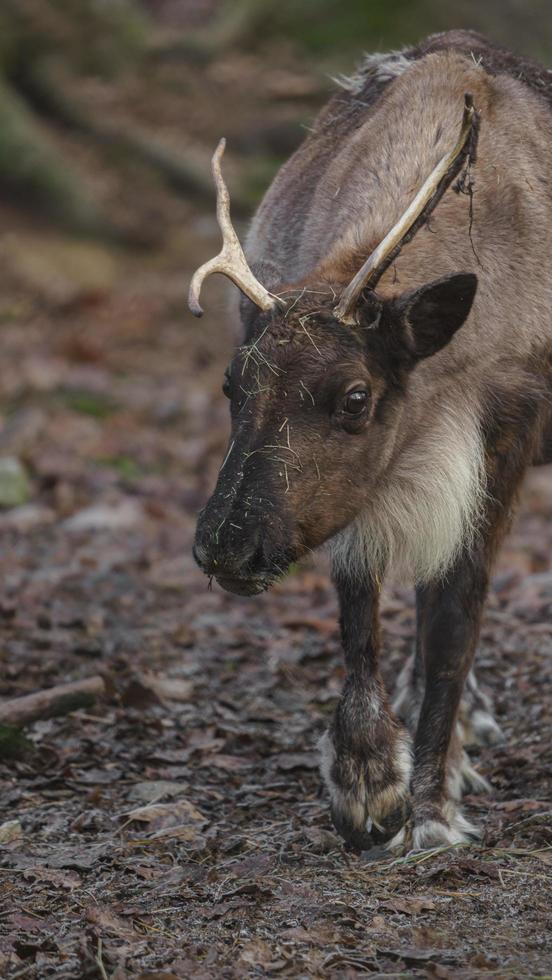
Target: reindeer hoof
481, 728
365, 812
363, 838
448, 829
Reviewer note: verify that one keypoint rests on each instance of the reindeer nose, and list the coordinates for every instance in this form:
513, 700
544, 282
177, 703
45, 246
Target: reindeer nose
229, 554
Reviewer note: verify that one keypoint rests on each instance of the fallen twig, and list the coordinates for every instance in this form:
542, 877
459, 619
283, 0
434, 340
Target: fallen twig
57, 700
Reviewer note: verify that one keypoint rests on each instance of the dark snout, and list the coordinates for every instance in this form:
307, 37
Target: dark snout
240, 553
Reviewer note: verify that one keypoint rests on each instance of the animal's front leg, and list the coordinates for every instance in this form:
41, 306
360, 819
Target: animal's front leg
449, 614
365, 755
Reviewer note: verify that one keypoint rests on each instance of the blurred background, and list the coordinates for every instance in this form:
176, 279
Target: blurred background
109, 112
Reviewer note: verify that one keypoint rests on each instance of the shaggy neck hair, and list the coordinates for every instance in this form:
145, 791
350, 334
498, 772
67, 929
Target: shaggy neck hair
425, 510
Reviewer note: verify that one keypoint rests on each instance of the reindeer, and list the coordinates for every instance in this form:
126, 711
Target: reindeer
392, 389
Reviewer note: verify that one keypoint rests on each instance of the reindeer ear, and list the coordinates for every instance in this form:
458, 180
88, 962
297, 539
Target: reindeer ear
431, 315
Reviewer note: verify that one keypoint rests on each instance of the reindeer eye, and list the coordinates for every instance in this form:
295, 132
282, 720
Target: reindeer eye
355, 402
226, 386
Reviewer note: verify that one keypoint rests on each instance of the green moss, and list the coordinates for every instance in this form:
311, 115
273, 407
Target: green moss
13, 743
90, 403
14, 482
125, 466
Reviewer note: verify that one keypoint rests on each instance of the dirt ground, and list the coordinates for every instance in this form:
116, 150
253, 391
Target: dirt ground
177, 827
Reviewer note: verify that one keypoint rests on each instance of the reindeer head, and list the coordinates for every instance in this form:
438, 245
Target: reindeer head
316, 392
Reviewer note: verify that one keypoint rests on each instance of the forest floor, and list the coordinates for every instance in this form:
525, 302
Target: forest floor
177, 828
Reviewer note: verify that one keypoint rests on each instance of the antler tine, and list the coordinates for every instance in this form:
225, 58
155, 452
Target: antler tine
425, 200
231, 260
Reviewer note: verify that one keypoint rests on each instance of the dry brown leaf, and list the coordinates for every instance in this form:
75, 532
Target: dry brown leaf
408, 904
325, 626
287, 761
511, 805
256, 953
69, 880
184, 832
108, 921
168, 688
160, 816
157, 976
230, 763
10, 830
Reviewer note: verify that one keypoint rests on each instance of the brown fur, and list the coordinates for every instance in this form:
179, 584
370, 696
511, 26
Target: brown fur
454, 414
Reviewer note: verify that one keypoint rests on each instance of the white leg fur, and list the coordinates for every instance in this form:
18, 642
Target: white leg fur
475, 725
462, 777
480, 728
476, 716
363, 808
454, 829
406, 699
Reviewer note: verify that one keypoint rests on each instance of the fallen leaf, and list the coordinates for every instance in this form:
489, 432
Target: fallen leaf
183, 832
408, 904
138, 695
513, 805
230, 763
412, 954
256, 953
81, 857
250, 887
26, 923
68, 880
168, 688
488, 869
10, 830
157, 976
160, 816
322, 841
325, 626
154, 791
288, 761
107, 921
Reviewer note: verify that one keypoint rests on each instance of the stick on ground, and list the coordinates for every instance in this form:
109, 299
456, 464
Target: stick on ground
59, 700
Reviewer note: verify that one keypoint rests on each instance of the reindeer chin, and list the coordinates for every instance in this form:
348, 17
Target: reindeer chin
244, 586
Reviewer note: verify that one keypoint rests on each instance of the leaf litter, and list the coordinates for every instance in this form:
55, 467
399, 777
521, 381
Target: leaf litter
177, 827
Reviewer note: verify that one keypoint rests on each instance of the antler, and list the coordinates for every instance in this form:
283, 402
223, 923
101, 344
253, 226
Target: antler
230, 261
424, 202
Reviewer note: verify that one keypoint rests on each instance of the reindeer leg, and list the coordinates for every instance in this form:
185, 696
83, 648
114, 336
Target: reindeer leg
365, 755
449, 618
475, 723
450, 614
478, 725
410, 685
